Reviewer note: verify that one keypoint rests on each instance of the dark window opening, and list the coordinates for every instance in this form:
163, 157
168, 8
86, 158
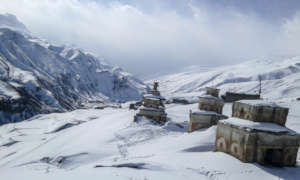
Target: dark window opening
274, 157
242, 113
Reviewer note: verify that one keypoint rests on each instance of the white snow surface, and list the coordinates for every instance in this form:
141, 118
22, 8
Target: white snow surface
261, 126
69, 146
280, 79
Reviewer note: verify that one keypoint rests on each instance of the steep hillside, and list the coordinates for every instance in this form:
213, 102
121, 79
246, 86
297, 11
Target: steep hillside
280, 79
38, 77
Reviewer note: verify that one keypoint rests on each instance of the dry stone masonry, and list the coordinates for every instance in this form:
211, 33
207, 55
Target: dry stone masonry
152, 106
258, 111
232, 96
210, 106
256, 133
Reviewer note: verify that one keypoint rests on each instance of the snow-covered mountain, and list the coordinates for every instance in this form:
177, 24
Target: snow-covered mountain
280, 79
106, 144
39, 77
10, 21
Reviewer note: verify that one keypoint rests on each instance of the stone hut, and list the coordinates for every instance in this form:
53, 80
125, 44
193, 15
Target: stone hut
232, 96
259, 111
212, 91
257, 135
211, 107
204, 119
152, 107
211, 103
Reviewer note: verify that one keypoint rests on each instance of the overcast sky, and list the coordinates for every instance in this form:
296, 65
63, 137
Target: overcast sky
147, 37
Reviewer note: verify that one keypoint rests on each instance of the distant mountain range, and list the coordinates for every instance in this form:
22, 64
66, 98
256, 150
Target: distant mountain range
280, 79
39, 77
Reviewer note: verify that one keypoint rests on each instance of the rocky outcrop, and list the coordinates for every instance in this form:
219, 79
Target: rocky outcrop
38, 77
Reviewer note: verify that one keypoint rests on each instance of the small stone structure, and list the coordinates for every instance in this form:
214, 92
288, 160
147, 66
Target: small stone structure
212, 91
256, 136
211, 107
155, 91
259, 111
153, 107
211, 103
204, 119
232, 97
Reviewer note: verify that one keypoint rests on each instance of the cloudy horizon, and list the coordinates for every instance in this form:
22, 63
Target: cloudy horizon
164, 36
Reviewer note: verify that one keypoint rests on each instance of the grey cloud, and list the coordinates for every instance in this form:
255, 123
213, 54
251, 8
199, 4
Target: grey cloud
150, 37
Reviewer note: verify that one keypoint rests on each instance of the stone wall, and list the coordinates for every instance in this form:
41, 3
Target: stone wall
256, 146
260, 113
151, 102
211, 104
204, 119
232, 97
212, 91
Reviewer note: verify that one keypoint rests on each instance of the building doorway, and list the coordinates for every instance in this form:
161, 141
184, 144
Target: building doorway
274, 157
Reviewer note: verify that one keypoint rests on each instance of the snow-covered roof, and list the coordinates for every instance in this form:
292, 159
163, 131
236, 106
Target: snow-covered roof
208, 113
258, 126
153, 96
210, 97
260, 103
150, 109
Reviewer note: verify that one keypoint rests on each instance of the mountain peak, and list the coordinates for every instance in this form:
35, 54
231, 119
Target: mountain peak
10, 21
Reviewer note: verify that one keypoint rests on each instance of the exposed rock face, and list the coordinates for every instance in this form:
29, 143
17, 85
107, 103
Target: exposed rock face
38, 77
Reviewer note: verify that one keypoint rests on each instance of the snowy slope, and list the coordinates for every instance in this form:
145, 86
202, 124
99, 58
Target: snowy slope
69, 146
54, 78
280, 79
10, 21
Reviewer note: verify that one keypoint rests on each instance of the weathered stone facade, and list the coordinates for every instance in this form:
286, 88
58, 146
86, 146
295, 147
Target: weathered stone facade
211, 103
210, 113
212, 91
153, 107
261, 141
232, 97
204, 119
260, 112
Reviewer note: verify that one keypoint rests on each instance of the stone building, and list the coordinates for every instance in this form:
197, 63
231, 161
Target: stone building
212, 91
210, 111
259, 111
232, 96
258, 135
152, 106
211, 103
204, 119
